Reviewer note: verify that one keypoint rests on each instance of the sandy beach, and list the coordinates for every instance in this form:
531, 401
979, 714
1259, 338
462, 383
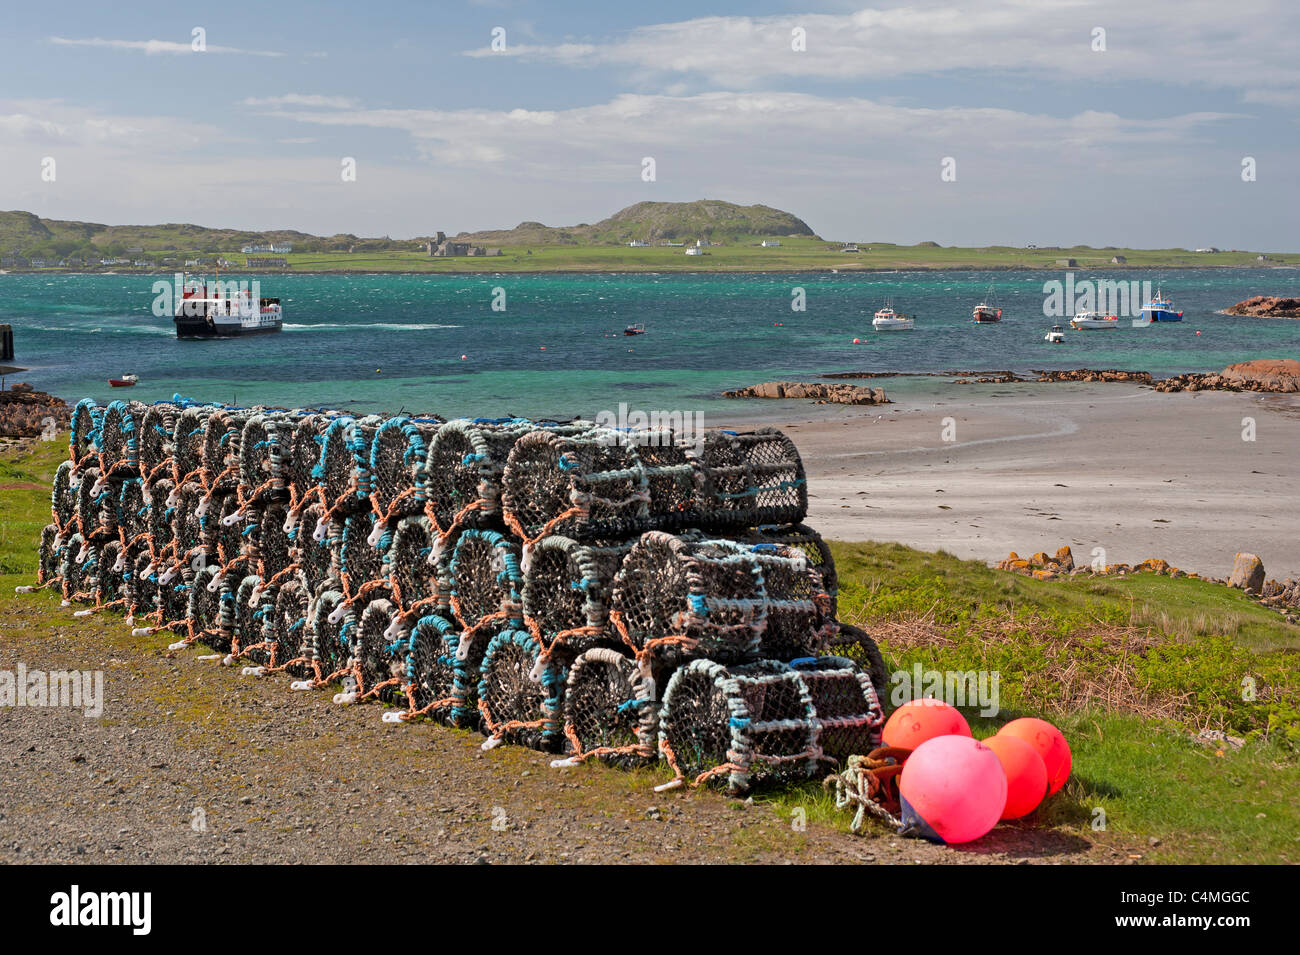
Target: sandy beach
1033, 466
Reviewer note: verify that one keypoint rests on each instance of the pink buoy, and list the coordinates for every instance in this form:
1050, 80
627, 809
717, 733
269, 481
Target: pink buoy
463, 357
952, 790
857, 341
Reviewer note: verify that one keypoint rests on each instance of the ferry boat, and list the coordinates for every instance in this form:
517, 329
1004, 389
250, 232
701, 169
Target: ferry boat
1091, 321
1161, 309
888, 320
986, 312
204, 312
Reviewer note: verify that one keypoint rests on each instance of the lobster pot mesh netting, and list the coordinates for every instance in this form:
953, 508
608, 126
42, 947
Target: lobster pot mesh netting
361, 563
63, 496
332, 626
288, 631
143, 594
204, 608
84, 423
246, 616
738, 724
380, 653
187, 444
517, 704
155, 442
264, 449
749, 479
442, 684
312, 555
814, 549
219, 455
857, 645
49, 555
110, 585
131, 511
119, 442
799, 622
302, 474
344, 468
270, 545
676, 598
485, 579
585, 485
567, 588
610, 710
847, 707
462, 473
397, 459
90, 496
407, 566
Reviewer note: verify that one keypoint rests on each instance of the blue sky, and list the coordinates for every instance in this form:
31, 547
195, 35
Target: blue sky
1054, 139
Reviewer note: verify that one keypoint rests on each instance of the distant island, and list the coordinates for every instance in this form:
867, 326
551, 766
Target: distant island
704, 235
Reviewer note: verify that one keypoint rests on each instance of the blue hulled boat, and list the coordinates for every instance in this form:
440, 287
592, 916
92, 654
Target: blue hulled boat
1161, 309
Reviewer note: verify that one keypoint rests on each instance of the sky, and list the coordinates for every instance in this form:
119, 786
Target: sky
1054, 122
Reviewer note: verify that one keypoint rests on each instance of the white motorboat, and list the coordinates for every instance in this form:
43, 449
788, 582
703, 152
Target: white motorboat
888, 320
1091, 321
1056, 336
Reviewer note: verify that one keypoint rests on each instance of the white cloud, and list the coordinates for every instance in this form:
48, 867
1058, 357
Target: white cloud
301, 99
157, 47
1189, 42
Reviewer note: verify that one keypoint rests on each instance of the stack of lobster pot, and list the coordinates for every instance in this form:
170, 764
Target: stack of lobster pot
628, 596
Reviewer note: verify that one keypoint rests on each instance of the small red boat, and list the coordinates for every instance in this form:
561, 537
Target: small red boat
636, 329
126, 381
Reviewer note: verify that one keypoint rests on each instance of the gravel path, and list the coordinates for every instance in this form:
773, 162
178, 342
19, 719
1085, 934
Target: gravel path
190, 762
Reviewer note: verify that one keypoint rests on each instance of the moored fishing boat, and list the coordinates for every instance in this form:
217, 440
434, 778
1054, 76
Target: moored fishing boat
986, 313
1092, 321
888, 320
1161, 309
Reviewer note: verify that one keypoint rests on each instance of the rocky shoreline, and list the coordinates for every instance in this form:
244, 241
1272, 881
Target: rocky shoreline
815, 391
1247, 575
27, 413
1266, 306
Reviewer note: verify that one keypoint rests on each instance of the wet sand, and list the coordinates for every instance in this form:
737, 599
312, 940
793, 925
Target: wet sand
1034, 466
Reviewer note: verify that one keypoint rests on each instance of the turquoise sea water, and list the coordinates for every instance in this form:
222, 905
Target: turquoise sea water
389, 342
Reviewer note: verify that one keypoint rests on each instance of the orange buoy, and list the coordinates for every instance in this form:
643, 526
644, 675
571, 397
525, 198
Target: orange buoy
1050, 743
919, 720
1026, 774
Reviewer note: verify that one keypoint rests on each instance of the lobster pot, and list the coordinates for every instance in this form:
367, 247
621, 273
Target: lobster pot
288, 630
132, 513
91, 494
848, 710
63, 496
226, 529
462, 474
157, 427
859, 647
264, 448
187, 522
269, 540
220, 453
740, 723
158, 517
582, 485
313, 556
485, 579
79, 569
610, 710
84, 425
380, 658
798, 609
110, 584
567, 588
677, 598
810, 542
245, 615
301, 465
119, 439
187, 444
332, 626
397, 457
174, 599
411, 575
50, 555
360, 559
204, 609
345, 464
142, 594
514, 706
442, 684
749, 479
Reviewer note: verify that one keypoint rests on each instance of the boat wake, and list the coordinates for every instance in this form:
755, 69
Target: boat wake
392, 326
